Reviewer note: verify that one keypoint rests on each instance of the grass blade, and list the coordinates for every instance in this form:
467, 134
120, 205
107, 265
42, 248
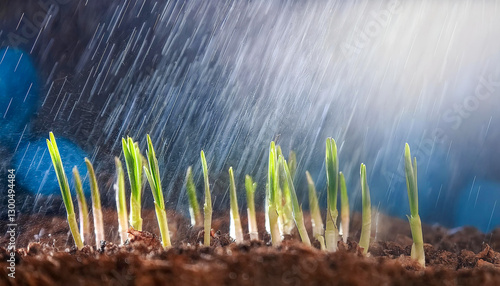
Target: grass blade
273, 196
344, 208
194, 208
82, 206
134, 163
417, 249
96, 205
332, 170
316, 221
298, 216
207, 207
121, 203
250, 187
153, 176
364, 240
235, 225
65, 191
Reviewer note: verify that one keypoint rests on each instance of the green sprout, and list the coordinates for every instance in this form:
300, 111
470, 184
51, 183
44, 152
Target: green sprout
285, 207
298, 216
250, 187
332, 171
417, 248
273, 196
207, 207
121, 204
316, 221
364, 240
153, 175
134, 163
65, 191
82, 206
344, 208
96, 205
194, 208
235, 225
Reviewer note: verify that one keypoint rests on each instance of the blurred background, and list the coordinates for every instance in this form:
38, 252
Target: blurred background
230, 76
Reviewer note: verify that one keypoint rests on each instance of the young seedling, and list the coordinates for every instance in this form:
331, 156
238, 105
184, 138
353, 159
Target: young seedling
82, 206
134, 163
364, 240
316, 221
417, 249
96, 205
207, 207
344, 208
235, 225
284, 208
153, 174
273, 196
121, 204
332, 171
194, 208
250, 187
65, 192
298, 216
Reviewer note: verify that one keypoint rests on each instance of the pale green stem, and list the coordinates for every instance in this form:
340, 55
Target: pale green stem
161, 216
235, 225
364, 240
82, 206
332, 167
344, 208
207, 207
316, 220
194, 208
96, 205
121, 204
296, 208
417, 249
153, 176
134, 162
252, 219
274, 197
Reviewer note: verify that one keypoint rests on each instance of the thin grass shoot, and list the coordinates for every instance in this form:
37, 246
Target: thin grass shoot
121, 203
65, 191
96, 205
153, 175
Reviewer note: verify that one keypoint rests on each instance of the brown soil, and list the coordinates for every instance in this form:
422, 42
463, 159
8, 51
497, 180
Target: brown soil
48, 257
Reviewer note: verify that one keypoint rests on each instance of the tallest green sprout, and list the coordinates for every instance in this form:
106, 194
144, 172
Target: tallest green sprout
64, 185
273, 196
417, 249
332, 171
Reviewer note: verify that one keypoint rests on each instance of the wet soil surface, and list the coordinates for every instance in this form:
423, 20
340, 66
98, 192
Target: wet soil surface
46, 256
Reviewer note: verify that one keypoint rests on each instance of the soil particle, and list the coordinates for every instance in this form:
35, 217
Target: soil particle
51, 259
